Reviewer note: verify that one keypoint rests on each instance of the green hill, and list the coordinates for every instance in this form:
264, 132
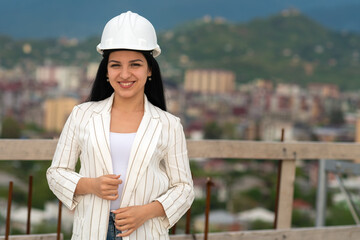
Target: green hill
282, 48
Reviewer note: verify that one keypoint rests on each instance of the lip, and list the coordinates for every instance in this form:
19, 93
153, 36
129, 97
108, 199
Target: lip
127, 84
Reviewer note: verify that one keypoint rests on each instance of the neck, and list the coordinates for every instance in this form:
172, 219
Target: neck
128, 105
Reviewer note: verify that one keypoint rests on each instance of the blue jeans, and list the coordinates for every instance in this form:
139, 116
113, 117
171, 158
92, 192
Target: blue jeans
112, 231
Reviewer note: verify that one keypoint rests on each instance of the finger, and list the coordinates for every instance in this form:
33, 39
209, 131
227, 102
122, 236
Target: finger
122, 227
121, 222
126, 233
115, 211
111, 197
114, 182
110, 192
113, 176
119, 212
109, 184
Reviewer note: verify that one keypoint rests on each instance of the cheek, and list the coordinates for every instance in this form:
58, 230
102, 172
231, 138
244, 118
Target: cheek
146, 74
109, 73
112, 84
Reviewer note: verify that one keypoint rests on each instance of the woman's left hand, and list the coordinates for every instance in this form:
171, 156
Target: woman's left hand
128, 219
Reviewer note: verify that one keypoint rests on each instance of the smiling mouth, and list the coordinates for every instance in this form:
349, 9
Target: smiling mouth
126, 84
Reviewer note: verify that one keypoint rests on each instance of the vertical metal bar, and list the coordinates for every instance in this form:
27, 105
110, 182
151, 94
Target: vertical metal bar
7, 229
188, 221
29, 205
348, 200
207, 210
59, 222
278, 183
321, 195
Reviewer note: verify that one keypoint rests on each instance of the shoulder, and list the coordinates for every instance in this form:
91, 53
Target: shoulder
91, 106
167, 119
85, 106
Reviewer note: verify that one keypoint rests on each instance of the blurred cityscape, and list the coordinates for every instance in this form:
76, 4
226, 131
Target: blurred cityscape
209, 102
36, 99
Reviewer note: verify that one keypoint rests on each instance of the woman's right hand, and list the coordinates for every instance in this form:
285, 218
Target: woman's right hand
105, 187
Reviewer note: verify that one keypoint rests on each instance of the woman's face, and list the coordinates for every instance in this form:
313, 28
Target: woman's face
127, 73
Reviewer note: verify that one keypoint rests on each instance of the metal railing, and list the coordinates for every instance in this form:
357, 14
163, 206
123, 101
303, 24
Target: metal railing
285, 152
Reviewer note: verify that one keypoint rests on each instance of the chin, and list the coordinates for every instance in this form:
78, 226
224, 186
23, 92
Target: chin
127, 95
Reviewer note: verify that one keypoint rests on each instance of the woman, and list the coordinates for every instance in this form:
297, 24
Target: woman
134, 181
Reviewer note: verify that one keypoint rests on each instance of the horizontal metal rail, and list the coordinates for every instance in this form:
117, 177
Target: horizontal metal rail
43, 149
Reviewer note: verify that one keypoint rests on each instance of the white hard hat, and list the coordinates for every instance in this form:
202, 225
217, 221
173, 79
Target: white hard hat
129, 31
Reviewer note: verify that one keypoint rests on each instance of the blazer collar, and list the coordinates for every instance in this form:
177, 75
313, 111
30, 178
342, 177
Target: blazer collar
105, 105
100, 135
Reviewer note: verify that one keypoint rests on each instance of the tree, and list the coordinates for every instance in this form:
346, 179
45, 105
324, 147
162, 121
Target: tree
212, 130
10, 128
336, 117
229, 131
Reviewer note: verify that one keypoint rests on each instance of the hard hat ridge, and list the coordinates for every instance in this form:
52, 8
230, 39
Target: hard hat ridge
129, 31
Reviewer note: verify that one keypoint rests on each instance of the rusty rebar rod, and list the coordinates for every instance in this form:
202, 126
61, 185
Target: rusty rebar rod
188, 221
278, 183
29, 205
209, 183
7, 228
173, 229
59, 222
188, 218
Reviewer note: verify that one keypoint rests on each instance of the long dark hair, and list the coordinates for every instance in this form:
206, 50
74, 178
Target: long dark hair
154, 89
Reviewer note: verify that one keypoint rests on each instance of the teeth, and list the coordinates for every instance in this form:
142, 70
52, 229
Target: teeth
126, 84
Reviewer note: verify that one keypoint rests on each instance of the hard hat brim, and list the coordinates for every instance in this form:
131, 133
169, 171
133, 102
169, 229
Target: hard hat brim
155, 52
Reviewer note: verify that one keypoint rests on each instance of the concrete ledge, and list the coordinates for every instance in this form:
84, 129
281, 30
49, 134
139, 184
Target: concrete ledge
49, 236
325, 233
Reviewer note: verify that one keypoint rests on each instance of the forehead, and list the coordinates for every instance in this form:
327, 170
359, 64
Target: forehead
126, 55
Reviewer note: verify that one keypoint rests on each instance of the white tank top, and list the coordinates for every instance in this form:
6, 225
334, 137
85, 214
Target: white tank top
120, 147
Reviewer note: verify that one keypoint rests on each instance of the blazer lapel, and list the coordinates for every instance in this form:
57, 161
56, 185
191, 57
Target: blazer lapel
100, 134
142, 150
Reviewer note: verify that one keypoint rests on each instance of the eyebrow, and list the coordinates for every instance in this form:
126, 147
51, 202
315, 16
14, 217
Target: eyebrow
131, 61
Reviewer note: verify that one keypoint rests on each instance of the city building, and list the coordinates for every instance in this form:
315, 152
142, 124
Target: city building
56, 111
209, 81
66, 78
91, 71
357, 134
324, 90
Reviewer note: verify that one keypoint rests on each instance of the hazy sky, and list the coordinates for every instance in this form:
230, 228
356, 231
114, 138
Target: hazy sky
81, 18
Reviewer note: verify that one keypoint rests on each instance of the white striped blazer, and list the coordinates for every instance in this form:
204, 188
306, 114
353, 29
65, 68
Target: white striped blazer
158, 169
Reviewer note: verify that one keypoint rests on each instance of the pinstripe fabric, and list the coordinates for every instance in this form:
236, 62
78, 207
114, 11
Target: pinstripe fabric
158, 169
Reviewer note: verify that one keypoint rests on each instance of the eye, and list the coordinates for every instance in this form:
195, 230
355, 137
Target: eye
114, 65
135, 64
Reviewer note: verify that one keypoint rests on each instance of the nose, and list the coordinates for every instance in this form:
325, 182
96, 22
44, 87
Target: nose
125, 73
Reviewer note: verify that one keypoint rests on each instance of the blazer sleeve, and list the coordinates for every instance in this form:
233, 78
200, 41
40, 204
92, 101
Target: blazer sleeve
178, 199
61, 175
